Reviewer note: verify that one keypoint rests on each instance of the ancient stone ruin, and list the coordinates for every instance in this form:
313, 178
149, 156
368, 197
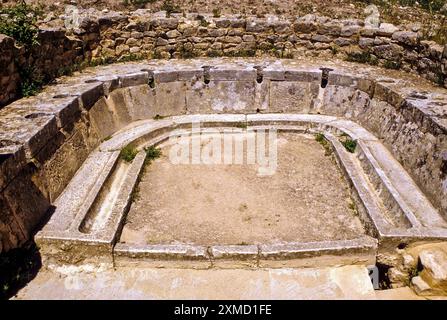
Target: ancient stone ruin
356, 113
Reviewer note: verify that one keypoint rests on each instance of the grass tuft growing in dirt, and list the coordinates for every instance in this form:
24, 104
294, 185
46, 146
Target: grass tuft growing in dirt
321, 139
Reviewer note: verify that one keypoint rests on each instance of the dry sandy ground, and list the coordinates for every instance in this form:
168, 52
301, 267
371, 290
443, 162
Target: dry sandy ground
307, 199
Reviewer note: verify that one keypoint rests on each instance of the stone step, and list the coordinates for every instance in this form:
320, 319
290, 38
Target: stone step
90, 182
85, 282
360, 251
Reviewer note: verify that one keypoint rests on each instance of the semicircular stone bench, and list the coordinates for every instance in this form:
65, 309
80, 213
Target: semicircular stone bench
63, 146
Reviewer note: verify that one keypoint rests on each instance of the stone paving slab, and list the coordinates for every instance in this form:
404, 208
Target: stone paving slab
87, 282
239, 86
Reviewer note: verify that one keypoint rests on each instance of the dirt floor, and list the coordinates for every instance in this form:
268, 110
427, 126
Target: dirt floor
307, 199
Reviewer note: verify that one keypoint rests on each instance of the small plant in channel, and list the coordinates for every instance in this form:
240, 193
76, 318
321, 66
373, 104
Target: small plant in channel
349, 144
152, 153
128, 153
321, 139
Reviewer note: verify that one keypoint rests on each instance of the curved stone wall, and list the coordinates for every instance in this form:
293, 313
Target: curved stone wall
89, 216
45, 139
113, 36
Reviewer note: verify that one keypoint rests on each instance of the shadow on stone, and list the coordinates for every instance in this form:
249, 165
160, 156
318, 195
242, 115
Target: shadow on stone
17, 268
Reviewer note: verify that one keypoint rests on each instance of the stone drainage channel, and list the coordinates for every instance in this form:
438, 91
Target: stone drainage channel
89, 215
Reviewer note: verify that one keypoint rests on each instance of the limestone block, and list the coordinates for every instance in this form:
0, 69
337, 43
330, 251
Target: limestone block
170, 98
27, 207
281, 26
89, 93
406, 37
387, 29
420, 286
234, 256
162, 256
122, 48
222, 22
388, 51
262, 95
293, 96
348, 31
321, 38
133, 42
369, 31
331, 28
396, 276
366, 43
305, 24
136, 34
248, 38
161, 42
222, 96
12, 160
61, 163
173, 34
141, 102
103, 117
342, 42
134, 79
11, 231
232, 74
165, 23
343, 101
256, 25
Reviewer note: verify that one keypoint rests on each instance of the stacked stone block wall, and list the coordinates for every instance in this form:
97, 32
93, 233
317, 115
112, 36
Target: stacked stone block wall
115, 36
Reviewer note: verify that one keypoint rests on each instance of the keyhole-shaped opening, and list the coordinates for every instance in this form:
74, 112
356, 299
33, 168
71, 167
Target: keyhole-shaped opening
206, 74
325, 76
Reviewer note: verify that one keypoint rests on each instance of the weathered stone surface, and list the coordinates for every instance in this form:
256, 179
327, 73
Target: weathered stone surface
173, 34
406, 37
306, 24
387, 29
420, 286
256, 25
434, 272
391, 52
12, 234
366, 43
28, 207
397, 277
321, 38
235, 256
294, 96
372, 16
348, 31
137, 282
341, 42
